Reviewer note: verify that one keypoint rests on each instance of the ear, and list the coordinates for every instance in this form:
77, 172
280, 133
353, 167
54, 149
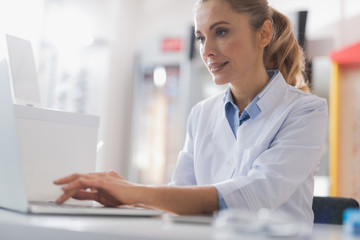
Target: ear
264, 34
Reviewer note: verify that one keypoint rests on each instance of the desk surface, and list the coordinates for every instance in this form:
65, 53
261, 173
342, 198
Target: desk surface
19, 226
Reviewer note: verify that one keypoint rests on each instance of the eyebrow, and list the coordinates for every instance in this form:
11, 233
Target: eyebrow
212, 26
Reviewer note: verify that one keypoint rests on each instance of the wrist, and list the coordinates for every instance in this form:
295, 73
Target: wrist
139, 194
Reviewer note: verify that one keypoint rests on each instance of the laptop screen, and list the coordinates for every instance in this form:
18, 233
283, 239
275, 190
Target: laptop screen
23, 71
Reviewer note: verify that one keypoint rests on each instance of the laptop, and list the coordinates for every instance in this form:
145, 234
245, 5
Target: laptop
38, 145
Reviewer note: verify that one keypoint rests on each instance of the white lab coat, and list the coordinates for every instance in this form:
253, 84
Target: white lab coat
272, 162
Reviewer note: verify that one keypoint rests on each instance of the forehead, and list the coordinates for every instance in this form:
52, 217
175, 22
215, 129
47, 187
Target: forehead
213, 11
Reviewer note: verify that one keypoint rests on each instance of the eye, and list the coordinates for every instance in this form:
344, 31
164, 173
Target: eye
221, 32
200, 39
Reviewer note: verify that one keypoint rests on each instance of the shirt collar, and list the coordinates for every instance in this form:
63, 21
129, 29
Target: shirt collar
253, 109
272, 95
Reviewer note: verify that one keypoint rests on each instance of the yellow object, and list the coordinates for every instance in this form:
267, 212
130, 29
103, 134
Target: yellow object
334, 130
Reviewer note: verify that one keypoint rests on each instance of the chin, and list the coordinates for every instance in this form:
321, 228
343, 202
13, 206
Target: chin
220, 81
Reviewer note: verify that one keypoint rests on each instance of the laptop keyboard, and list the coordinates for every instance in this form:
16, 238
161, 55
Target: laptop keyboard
54, 204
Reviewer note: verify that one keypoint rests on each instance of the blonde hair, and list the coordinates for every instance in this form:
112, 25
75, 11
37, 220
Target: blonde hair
283, 52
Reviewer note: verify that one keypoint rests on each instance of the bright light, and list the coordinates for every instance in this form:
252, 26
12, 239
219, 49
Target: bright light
99, 146
22, 18
159, 76
69, 27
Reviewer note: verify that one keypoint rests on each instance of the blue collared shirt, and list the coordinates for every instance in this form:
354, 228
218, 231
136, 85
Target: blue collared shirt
232, 115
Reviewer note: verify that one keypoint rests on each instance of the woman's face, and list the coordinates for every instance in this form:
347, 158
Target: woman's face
228, 45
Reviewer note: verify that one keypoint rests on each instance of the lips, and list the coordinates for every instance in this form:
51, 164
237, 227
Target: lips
216, 67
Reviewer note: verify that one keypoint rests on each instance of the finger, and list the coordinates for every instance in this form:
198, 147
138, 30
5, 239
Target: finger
95, 196
97, 174
67, 179
113, 174
77, 194
72, 188
85, 195
84, 182
75, 176
65, 196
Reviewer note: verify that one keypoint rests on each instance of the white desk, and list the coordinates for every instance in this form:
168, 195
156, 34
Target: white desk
19, 226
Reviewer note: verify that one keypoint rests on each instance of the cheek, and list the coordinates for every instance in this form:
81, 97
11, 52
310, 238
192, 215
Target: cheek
240, 52
233, 49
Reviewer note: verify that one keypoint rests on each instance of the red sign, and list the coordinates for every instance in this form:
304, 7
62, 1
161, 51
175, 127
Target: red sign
172, 44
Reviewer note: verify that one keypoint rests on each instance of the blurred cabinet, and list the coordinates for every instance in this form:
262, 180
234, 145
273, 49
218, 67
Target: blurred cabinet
345, 123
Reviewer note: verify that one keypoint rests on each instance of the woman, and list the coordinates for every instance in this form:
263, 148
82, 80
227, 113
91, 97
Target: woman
256, 145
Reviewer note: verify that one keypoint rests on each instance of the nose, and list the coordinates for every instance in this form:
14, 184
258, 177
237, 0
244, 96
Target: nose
207, 49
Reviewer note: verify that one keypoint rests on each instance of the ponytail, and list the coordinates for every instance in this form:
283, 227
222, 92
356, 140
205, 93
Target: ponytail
284, 53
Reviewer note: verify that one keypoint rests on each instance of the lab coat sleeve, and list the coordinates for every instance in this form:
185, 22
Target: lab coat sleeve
278, 171
184, 174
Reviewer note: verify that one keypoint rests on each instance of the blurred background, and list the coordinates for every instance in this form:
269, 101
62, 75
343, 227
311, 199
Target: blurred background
135, 64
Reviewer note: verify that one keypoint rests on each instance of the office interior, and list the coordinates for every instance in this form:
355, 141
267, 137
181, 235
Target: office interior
136, 65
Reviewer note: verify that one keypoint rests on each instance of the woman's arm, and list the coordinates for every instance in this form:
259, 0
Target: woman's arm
110, 189
189, 200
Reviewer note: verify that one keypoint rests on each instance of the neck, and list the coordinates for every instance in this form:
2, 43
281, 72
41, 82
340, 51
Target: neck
244, 90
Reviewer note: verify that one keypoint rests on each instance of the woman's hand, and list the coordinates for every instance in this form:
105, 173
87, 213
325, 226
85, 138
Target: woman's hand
109, 188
